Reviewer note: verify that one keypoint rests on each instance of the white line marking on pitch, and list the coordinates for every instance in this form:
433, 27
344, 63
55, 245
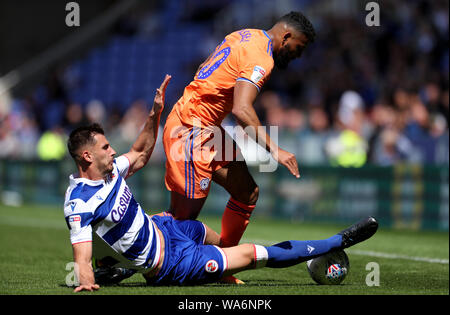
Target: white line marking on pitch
397, 256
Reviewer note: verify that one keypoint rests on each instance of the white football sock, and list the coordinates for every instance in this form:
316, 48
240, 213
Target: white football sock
261, 256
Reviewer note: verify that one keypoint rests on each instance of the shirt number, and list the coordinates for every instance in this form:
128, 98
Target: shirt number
207, 70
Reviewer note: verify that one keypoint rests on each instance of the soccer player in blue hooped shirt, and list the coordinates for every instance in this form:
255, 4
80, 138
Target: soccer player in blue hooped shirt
106, 222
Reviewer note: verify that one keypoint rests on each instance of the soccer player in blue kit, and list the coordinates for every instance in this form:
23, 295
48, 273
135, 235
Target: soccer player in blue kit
105, 221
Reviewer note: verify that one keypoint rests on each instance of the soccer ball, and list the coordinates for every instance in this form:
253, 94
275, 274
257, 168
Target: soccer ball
331, 268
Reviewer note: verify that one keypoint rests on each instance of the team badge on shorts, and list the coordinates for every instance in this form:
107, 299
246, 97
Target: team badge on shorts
211, 266
204, 183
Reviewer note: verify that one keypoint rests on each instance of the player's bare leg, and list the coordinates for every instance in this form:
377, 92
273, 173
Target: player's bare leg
239, 183
183, 208
239, 258
212, 237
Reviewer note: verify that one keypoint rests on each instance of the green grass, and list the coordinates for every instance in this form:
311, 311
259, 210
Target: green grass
35, 249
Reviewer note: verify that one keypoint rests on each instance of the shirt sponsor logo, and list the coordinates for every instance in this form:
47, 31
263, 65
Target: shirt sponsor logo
124, 200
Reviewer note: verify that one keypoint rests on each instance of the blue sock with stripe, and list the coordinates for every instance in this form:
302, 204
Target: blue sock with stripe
290, 253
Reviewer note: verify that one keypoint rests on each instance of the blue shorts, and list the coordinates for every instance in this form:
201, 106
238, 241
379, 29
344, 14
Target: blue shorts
186, 259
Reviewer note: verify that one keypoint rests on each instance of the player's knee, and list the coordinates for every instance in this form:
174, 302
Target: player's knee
248, 196
241, 257
248, 254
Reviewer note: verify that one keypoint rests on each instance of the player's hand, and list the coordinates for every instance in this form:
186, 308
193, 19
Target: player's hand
158, 102
288, 160
87, 287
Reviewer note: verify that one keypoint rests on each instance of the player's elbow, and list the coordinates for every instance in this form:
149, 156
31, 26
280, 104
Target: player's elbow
240, 114
236, 111
142, 160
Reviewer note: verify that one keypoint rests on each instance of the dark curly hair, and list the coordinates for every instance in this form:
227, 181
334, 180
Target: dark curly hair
298, 21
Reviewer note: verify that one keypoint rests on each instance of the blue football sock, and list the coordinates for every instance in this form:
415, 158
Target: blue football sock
290, 253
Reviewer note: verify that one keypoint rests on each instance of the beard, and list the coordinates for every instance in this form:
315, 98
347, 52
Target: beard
108, 173
107, 168
282, 58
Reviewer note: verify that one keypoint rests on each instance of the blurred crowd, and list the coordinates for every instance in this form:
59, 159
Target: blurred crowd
359, 95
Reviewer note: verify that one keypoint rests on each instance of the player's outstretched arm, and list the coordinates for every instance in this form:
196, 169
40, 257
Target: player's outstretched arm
82, 255
244, 96
143, 147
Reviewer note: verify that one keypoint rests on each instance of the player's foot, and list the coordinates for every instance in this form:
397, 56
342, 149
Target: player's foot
110, 275
358, 232
231, 280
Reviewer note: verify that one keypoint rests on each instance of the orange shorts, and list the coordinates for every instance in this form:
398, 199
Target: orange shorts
193, 154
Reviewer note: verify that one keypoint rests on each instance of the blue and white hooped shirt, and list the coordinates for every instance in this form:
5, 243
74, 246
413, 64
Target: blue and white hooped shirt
107, 209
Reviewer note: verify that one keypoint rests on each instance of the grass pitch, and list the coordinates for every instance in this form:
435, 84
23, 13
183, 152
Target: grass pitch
35, 251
